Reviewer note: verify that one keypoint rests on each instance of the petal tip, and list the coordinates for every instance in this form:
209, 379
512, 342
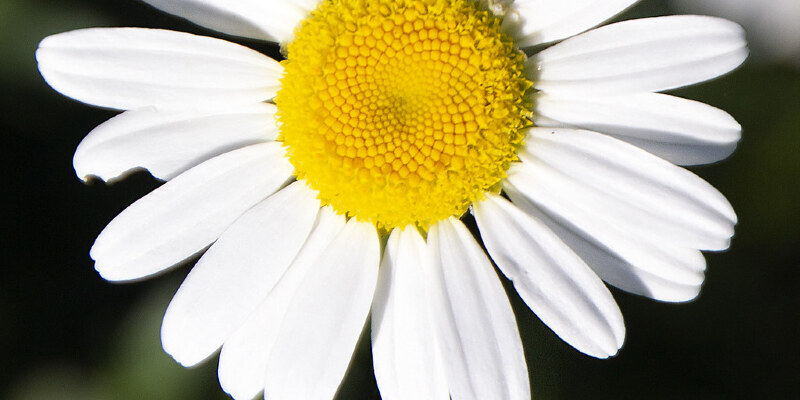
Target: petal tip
113, 273
174, 344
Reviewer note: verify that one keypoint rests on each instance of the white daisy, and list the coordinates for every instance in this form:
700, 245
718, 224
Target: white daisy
332, 184
772, 25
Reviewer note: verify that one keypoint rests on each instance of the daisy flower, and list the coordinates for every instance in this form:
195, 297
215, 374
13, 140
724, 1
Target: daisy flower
772, 24
327, 190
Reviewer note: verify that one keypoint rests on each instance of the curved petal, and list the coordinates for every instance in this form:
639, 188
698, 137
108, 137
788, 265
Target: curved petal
405, 353
272, 20
129, 68
681, 131
554, 282
244, 356
481, 346
642, 55
532, 22
188, 213
658, 271
167, 143
325, 318
237, 273
628, 186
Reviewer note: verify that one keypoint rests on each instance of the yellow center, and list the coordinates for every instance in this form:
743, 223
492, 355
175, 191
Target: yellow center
402, 112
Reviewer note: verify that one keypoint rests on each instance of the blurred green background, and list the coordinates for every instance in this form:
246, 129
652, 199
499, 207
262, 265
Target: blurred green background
67, 334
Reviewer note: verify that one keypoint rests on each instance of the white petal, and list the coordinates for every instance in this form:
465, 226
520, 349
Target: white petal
186, 214
272, 20
243, 359
532, 22
324, 320
681, 131
661, 272
129, 68
650, 54
627, 186
476, 328
167, 143
237, 273
406, 355
554, 282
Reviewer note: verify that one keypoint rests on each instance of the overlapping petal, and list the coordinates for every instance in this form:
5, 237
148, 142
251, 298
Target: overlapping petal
659, 271
635, 219
532, 22
553, 281
244, 356
237, 273
681, 131
167, 143
272, 20
325, 318
481, 347
130, 68
641, 55
188, 213
587, 173
405, 351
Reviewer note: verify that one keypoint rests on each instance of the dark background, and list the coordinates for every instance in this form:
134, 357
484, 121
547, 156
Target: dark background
67, 334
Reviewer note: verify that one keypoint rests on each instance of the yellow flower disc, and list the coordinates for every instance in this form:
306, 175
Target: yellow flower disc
402, 112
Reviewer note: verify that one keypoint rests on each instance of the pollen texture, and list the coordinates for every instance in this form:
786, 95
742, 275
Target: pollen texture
402, 112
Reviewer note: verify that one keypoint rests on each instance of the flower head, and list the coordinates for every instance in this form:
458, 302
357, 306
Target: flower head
333, 183
402, 112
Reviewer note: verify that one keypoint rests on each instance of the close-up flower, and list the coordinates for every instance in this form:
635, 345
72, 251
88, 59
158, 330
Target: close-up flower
334, 188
